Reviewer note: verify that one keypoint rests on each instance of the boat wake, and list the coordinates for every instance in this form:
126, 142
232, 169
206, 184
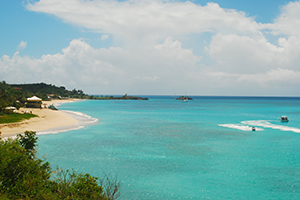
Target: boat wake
267, 124
240, 127
259, 125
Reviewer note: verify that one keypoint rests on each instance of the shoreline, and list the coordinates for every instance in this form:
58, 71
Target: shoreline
48, 121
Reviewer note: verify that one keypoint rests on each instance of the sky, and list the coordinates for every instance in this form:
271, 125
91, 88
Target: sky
153, 47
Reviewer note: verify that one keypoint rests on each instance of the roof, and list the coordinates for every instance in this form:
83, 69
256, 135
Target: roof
34, 98
10, 108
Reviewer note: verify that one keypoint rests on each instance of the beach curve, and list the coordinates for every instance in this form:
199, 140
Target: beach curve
48, 121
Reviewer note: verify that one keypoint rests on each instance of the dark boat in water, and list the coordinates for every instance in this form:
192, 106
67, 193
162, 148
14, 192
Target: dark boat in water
284, 119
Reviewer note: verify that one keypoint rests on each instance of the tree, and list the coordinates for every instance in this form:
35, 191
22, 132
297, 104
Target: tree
27, 177
22, 176
28, 141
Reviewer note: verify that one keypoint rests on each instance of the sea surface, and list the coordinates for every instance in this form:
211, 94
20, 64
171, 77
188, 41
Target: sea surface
168, 149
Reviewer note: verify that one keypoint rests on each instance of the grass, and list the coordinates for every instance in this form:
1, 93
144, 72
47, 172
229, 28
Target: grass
16, 117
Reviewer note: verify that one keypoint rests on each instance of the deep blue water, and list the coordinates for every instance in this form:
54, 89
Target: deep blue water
202, 149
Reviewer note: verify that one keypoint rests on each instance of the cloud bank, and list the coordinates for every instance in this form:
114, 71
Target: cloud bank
156, 50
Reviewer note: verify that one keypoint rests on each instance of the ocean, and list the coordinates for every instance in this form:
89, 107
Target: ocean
168, 149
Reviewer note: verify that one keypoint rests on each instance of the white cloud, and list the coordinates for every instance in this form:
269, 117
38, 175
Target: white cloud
104, 37
288, 22
238, 58
141, 19
243, 54
274, 77
22, 45
79, 64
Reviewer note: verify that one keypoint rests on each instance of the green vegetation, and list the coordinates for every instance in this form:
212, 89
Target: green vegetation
16, 95
15, 117
10, 97
44, 91
24, 176
125, 97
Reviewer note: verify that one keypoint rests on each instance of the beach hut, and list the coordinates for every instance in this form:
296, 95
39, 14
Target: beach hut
34, 99
34, 102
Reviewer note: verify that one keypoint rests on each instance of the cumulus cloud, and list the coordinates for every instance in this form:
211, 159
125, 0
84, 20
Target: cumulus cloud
96, 69
156, 55
147, 19
244, 54
22, 45
288, 22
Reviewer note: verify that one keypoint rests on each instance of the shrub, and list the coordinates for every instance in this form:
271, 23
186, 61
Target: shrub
24, 176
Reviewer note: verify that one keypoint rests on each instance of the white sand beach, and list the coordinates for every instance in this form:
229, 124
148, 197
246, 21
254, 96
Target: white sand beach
47, 119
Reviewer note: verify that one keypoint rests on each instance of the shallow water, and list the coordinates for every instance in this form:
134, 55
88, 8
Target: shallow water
168, 149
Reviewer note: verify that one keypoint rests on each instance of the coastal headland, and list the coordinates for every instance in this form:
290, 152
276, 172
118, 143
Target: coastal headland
184, 98
47, 119
125, 97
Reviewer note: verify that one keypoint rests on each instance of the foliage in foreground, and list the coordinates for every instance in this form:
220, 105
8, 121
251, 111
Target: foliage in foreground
24, 176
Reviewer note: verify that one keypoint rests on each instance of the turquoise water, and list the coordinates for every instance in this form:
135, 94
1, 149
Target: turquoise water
201, 149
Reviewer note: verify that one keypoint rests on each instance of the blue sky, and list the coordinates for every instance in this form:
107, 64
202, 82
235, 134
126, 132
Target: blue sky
221, 47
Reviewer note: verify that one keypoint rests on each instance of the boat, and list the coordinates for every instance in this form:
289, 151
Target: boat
184, 97
253, 128
185, 100
284, 119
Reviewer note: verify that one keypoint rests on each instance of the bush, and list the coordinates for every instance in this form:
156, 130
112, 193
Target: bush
24, 176
20, 175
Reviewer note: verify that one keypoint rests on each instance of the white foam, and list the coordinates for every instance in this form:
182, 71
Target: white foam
240, 127
83, 120
82, 117
59, 130
58, 103
267, 124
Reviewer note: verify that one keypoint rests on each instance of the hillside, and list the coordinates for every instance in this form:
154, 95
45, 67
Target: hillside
16, 95
44, 90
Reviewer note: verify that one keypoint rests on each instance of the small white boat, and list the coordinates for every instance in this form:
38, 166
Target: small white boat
185, 100
284, 119
253, 128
